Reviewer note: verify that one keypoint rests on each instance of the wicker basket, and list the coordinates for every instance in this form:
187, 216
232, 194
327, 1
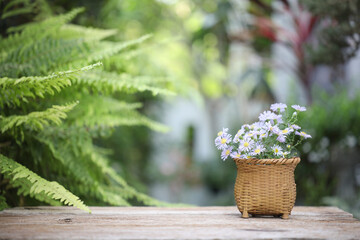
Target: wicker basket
265, 186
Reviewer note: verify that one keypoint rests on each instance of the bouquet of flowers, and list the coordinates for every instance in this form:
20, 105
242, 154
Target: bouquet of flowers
275, 135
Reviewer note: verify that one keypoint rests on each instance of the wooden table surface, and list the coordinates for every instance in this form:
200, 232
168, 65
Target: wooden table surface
173, 223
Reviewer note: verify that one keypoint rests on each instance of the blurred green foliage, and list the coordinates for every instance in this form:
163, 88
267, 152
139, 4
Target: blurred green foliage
338, 37
327, 173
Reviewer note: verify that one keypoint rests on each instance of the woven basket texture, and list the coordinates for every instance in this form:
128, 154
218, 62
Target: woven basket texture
265, 186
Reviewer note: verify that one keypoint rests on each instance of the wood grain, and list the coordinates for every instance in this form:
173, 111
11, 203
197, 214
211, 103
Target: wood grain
173, 223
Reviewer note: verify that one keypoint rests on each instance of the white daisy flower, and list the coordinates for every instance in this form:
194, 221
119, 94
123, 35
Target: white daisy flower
246, 144
246, 156
294, 126
281, 138
221, 142
267, 115
278, 107
287, 131
258, 149
226, 153
235, 155
285, 154
251, 134
224, 131
272, 129
299, 108
239, 134
263, 134
303, 134
277, 150
258, 125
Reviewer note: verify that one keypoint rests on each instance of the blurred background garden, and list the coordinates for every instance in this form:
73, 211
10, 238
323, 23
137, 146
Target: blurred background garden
151, 112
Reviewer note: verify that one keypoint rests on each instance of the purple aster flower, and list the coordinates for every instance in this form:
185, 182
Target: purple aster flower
239, 134
245, 156
235, 155
303, 134
272, 129
263, 134
258, 125
246, 144
258, 149
245, 127
226, 153
222, 141
277, 150
267, 115
278, 118
294, 126
299, 108
286, 131
278, 107
281, 138
224, 131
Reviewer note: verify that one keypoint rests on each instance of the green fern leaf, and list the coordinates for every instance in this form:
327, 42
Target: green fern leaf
35, 121
16, 90
104, 49
79, 163
18, 175
109, 112
36, 31
112, 82
71, 31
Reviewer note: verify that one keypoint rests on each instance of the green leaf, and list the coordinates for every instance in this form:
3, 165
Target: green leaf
16, 90
29, 183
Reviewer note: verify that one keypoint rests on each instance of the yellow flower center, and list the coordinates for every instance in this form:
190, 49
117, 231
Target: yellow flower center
303, 133
276, 150
285, 131
246, 144
220, 133
227, 152
257, 150
271, 128
223, 140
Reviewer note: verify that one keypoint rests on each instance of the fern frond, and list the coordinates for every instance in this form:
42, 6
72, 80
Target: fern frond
125, 190
79, 163
103, 165
71, 31
105, 49
18, 174
112, 82
28, 8
109, 112
15, 90
36, 31
114, 198
41, 57
35, 121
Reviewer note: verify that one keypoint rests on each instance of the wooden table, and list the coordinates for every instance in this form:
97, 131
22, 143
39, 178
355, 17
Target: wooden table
173, 223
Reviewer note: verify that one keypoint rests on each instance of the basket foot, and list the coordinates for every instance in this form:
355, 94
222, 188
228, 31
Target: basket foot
245, 214
285, 216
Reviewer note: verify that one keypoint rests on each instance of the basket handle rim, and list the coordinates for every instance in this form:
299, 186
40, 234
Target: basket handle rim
276, 161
